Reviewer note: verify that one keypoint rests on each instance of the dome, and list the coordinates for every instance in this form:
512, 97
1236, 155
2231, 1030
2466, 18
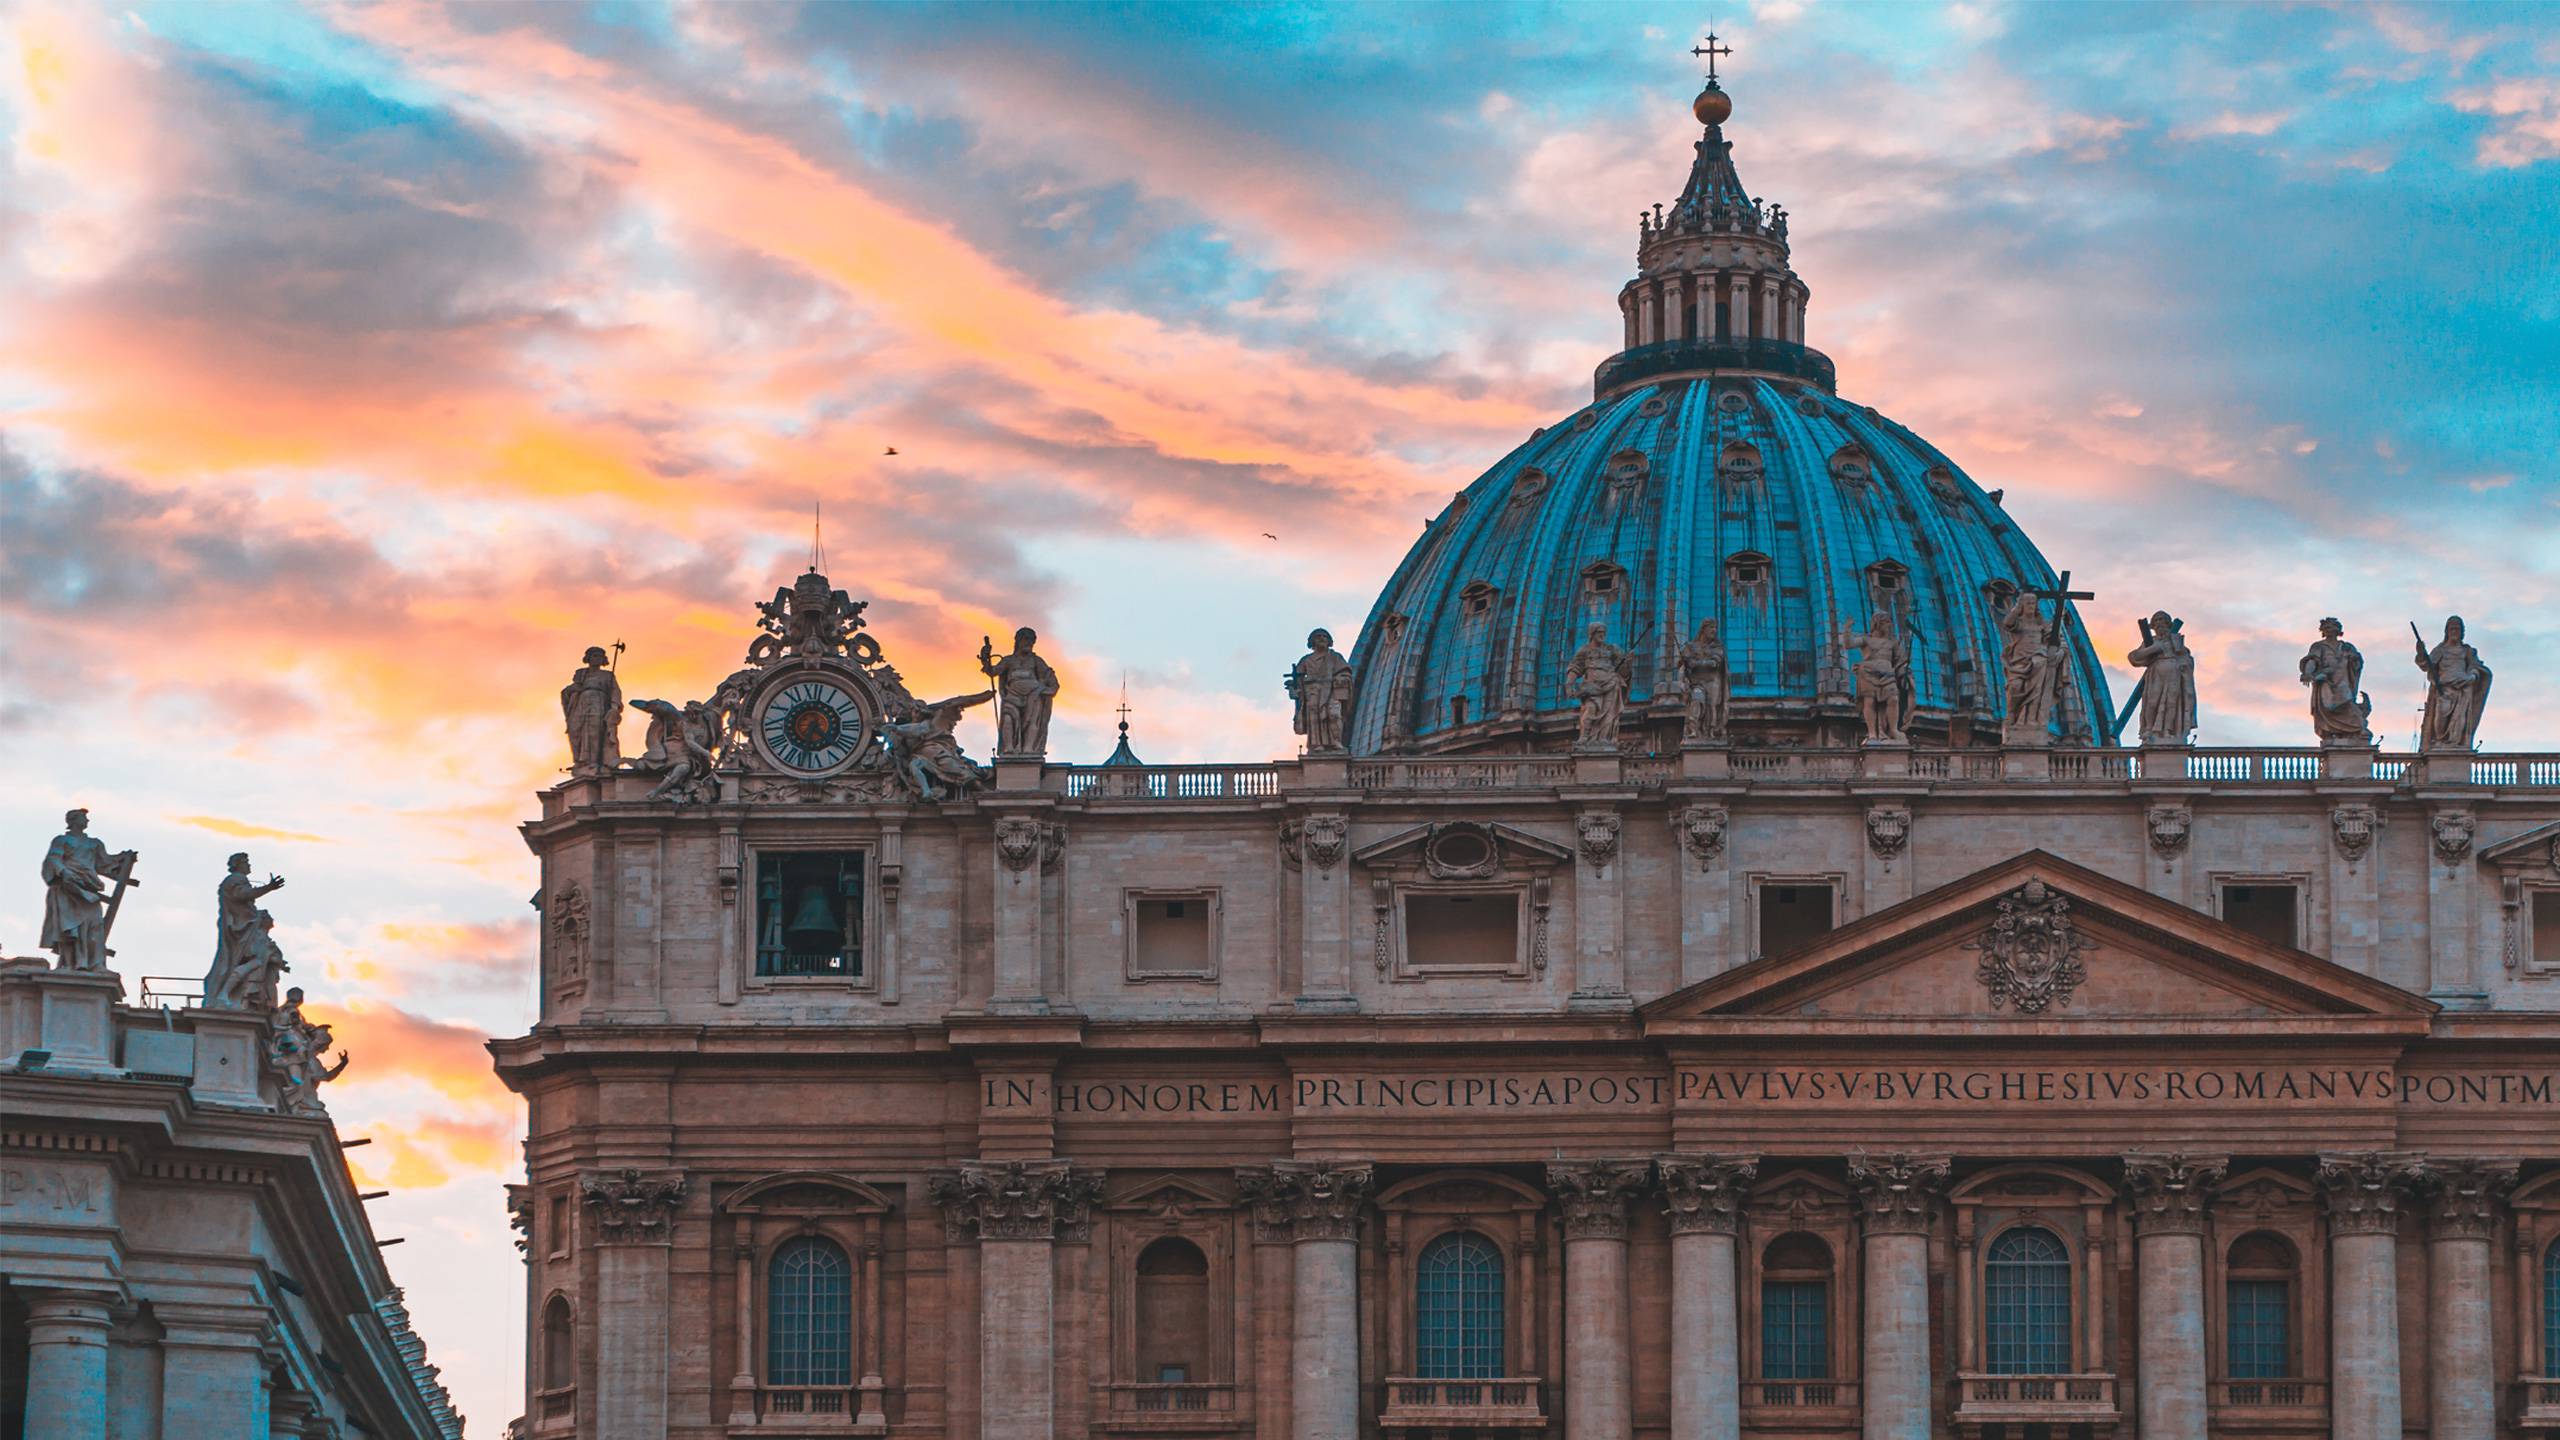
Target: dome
1717, 475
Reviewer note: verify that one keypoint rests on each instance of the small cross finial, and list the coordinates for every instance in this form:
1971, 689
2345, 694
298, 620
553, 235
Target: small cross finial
1710, 51
1124, 705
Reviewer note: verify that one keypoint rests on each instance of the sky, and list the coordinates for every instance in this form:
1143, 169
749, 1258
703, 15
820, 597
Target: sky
360, 366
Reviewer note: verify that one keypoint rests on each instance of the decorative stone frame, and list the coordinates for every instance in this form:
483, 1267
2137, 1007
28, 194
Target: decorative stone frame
1836, 880
2534, 1209
553, 1403
2219, 880
1799, 1202
2527, 865
757, 1217
879, 912
1170, 1206
2072, 1206
2270, 1201
1503, 1211
1132, 897
1516, 864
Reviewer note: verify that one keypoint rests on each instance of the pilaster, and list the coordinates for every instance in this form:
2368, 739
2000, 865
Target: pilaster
2355, 888
1706, 890
2454, 956
1016, 1209
1025, 841
1599, 912
1322, 842
630, 1222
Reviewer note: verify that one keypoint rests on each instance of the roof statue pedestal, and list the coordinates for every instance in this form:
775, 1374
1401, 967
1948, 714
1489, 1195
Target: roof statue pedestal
75, 1016
1725, 518
231, 1047
1706, 760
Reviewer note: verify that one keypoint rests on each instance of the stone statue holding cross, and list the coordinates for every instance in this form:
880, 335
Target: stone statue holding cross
2031, 658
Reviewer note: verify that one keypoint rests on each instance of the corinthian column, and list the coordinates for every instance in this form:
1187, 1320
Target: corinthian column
2362, 1194
631, 1215
1898, 1201
2463, 1198
1703, 1196
1017, 1209
2170, 1195
1598, 1378
1320, 1204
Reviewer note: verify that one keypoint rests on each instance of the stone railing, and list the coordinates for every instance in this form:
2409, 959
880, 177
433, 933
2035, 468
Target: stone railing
2306, 1395
832, 1406
1172, 782
1155, 1407
2036, 1399
1463, 772
1509, 1402
1801, 1394
2538, 1402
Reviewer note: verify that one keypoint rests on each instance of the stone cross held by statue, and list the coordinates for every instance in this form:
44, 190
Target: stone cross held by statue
2062, 594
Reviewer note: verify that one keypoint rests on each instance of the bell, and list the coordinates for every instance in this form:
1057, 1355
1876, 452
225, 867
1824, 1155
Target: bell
813, 930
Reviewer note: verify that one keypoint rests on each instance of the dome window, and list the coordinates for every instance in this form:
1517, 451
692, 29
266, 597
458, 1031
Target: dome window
1585, 420
1889, 589
1391, 628
1942, 484
1603, 582
1850, 466
1807, 406
1477, 599
1739, 460
1653, 408
1746, 577
1527, 487
1628, 468
1732, 402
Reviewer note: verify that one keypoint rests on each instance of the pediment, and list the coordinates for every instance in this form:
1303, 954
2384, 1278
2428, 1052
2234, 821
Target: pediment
2537, 846
1169, 1194
2036, 940
1462, 849
805, 1192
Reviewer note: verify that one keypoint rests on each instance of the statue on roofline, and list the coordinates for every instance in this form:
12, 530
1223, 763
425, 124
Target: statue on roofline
83, 887
1882, 678
1599, 677
2457, 689
246, 960
1320, 684
2334, 669
1705, 686
2168, 680
1025, 689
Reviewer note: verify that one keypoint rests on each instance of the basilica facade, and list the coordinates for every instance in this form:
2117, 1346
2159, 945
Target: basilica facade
1721, 965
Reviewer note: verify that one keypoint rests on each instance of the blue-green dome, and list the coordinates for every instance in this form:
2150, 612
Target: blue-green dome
1753, 497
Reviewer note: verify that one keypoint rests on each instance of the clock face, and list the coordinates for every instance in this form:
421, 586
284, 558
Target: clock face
812, 726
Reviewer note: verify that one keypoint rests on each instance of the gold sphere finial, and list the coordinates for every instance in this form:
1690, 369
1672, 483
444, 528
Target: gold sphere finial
1713, 106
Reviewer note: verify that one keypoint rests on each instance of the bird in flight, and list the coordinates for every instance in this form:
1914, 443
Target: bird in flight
1267, 535
892, 450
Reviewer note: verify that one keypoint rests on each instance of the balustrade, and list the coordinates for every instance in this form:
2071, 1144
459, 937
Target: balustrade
2538, 1402
1800, 1394
1509, 1402
2261, 1395
2084, 1399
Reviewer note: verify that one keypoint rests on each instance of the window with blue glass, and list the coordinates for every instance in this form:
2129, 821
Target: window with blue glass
2026, 1288
2258, 1308
1457, 1300
2551, 1309
808, 1314
1795, 1309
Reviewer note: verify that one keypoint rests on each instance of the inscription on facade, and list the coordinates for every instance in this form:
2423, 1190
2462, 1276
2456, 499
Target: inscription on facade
46, 1188
1868, 1087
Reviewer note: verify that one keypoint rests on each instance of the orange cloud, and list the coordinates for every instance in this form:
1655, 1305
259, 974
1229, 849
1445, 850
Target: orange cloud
241, 829
388, 1043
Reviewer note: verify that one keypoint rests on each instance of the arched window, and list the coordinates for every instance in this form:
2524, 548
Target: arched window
2550, 1308
1173, 1312
2026, 1286
2258, 1280
1457, 1308
1795, 1309
559, 1345
808, 1314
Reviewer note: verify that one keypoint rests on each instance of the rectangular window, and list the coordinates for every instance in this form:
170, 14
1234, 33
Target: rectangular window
1173, 1375
809, 913
2259, 1347
1794, 914
559, 1224
1795, 1330
1462, 932
2271, 911
1173, 935
2546, 940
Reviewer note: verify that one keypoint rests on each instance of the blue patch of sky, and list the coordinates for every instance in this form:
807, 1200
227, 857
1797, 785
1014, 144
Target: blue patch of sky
288, 40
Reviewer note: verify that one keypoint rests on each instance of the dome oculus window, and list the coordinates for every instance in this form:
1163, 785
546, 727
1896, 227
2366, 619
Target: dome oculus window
1653, 408
1850, 466
1732, 402
1628, 468
1942, 485
1527, 487
1739, 460
1477, 599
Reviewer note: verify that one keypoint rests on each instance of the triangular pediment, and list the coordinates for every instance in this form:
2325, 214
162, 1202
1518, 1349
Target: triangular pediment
2037, 940
1169, 1193
2541, 844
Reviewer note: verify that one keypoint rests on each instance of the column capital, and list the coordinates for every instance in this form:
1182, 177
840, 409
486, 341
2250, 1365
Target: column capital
1296, 1200
2171, 1192
1015, 1199
631, 1206
1593, 1195
1898, 1194
63, 1311
1704, 1194
2361, 1191
2464, 1196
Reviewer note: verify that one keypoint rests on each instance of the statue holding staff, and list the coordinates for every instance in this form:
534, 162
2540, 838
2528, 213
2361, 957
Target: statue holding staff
2457, 689
79, 905
1320, 683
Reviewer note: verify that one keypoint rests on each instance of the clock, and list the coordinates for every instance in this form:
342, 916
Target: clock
810, 724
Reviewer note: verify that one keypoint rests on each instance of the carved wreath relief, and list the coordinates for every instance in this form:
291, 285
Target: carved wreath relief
2031, 953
